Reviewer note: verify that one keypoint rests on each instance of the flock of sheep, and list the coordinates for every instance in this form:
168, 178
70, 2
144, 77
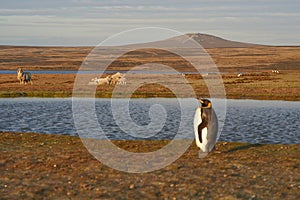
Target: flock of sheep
273, 71
115, 79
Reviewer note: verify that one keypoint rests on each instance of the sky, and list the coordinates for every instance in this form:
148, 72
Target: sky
88, 22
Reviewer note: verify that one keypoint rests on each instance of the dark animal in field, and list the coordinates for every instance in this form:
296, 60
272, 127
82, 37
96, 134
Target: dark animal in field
24, 77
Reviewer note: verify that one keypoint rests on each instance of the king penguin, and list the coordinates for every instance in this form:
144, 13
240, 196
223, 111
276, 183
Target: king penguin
205, 126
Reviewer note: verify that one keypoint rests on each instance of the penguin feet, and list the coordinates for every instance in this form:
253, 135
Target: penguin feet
202, 154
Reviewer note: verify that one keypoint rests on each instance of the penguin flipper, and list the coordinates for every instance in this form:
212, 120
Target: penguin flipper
200, 128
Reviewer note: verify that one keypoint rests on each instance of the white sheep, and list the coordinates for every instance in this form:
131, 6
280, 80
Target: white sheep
99, 81
102, 81
115, 78
122, 81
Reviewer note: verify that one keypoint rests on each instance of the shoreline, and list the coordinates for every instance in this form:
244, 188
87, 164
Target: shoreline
58, 166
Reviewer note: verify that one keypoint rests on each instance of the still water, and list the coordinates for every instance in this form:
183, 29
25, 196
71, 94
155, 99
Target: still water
246, 120
101, 72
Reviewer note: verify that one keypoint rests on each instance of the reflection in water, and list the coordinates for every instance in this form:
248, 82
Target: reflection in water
246, 120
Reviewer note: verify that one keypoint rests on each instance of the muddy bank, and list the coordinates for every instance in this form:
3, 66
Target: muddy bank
59, 167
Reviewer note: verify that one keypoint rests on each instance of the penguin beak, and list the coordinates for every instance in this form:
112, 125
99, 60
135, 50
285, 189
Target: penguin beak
201, 101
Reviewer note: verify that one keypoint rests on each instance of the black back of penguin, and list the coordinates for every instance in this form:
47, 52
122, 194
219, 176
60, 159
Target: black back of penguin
212, 130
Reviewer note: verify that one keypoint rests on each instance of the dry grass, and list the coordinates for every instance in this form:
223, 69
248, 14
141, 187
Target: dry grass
42, 58
255, 62
256, 58
283, 86
36, 166
227, 59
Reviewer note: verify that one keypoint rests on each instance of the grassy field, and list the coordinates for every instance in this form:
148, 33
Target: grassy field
59, 167
262, 85
227, 59
255, 63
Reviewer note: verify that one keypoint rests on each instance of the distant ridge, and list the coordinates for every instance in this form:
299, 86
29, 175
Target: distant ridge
205, 40
211, 41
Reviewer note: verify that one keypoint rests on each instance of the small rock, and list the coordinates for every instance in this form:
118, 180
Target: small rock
86, 186
131, 186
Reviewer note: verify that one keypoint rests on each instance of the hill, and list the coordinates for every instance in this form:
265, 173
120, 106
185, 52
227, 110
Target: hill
205, 40
211, 41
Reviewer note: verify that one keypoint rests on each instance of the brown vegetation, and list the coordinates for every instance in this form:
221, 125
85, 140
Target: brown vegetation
227, 59
37, 166
256, 64
283, 86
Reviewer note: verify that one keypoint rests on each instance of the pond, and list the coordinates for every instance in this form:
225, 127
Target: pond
246, 120
101, 72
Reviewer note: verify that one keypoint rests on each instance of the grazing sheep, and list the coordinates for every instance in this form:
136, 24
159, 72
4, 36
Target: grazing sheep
239, 75
115, 78
122, 81
100, 81
23, 77
93, 81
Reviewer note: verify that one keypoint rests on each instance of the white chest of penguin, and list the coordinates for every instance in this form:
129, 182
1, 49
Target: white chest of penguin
205, 126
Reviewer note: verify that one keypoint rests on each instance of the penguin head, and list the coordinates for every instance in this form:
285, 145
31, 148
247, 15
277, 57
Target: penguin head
205, 103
